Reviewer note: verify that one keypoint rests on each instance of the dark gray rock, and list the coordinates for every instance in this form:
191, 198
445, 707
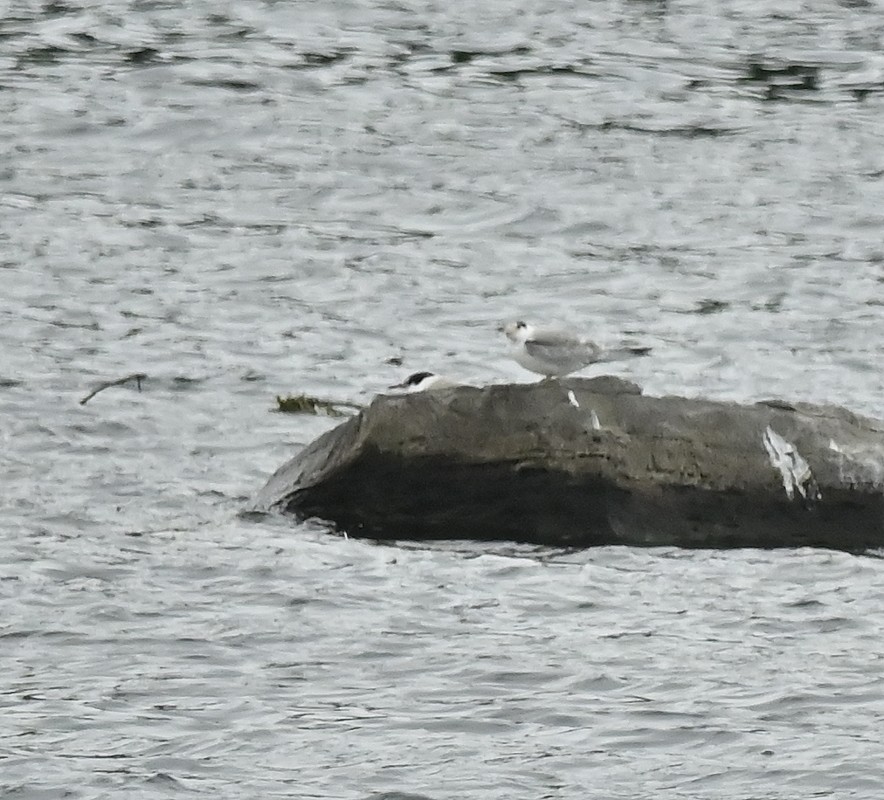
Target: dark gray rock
522, 462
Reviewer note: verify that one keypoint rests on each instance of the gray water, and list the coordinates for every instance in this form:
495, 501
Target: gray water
247, 199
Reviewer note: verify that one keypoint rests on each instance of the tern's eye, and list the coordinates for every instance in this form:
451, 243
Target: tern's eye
521, 324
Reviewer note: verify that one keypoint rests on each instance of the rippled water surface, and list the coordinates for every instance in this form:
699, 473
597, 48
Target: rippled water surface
246, 199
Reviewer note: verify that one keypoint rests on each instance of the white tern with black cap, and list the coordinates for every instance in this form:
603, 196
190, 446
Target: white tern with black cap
423, 381
555, 353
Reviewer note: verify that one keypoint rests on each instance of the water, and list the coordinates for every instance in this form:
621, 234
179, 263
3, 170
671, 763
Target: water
249, 199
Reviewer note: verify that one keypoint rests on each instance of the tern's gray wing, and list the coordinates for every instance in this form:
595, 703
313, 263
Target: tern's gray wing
560, 347
551, 337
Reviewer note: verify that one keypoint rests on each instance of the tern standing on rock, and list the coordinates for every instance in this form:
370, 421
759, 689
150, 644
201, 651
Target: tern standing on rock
555, 353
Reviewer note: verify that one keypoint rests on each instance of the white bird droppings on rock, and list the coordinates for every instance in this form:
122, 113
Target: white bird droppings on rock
796, 473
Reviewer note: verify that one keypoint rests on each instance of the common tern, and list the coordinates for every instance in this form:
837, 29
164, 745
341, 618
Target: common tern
422, 381
555, 353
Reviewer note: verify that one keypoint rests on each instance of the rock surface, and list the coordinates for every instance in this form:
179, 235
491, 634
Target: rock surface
582, 462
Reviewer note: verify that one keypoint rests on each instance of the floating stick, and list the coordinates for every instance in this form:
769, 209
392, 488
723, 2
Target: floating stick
135, 376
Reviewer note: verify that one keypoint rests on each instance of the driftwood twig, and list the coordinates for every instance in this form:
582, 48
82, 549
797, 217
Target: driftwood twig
135, 376
305, 404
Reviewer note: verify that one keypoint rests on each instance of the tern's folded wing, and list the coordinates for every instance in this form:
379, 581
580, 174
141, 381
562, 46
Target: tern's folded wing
560, 348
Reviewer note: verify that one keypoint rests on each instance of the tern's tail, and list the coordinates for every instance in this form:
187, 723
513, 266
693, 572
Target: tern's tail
619, 353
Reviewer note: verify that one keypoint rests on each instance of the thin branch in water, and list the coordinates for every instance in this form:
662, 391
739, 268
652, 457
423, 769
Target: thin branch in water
135, 376
305, 404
